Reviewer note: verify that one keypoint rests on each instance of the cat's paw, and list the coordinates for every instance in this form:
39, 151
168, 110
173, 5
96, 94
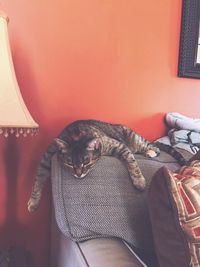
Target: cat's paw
153, 152
32, 205
139, 183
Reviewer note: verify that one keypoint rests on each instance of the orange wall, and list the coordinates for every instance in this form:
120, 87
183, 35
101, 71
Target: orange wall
112, 60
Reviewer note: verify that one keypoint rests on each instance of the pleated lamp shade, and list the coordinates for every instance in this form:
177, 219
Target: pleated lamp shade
14, 115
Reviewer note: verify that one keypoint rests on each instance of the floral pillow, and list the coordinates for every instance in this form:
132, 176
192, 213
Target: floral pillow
174, 205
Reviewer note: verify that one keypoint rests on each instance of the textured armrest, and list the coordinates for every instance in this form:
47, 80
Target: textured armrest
106, 252
109, 252
105, 204
64, 252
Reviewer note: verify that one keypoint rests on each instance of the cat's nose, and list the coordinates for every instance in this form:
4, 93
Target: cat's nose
78, 172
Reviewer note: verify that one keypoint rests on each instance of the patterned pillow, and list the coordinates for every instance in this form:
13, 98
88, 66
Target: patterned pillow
174, 204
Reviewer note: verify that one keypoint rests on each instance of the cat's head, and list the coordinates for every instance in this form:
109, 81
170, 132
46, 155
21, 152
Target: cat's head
79, 157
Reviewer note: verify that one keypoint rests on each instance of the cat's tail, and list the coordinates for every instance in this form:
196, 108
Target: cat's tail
172, 151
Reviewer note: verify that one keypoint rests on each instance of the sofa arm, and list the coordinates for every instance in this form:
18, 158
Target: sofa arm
106, 252
109, 252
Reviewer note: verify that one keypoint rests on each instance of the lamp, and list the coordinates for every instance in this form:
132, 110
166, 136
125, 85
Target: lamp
14, 115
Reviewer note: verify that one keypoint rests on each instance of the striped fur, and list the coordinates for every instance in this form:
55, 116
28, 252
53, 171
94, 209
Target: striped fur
82, 143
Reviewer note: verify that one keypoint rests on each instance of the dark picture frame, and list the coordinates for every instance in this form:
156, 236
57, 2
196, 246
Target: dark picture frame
188, 66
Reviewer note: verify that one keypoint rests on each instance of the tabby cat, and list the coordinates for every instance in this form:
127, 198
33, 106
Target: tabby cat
81, 144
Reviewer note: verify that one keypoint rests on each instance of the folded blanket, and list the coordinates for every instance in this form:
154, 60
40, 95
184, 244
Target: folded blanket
179, 121
179, 145
184, 136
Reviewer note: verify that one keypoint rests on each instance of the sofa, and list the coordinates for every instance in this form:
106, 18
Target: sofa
102, 220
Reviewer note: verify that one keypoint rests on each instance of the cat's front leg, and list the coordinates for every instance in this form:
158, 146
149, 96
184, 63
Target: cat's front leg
136, 175
122, 152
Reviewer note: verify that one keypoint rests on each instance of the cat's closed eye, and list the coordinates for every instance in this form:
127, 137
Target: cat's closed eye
68, 161
70, 165
86, 160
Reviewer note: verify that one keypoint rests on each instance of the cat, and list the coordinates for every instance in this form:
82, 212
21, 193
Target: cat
82, 143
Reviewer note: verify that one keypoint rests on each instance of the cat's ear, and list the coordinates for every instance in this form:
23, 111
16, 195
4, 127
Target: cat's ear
93, 144
62, 145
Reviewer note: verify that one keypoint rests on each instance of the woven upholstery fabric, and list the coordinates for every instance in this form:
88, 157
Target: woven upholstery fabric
185, 189
105, 203
174, 205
